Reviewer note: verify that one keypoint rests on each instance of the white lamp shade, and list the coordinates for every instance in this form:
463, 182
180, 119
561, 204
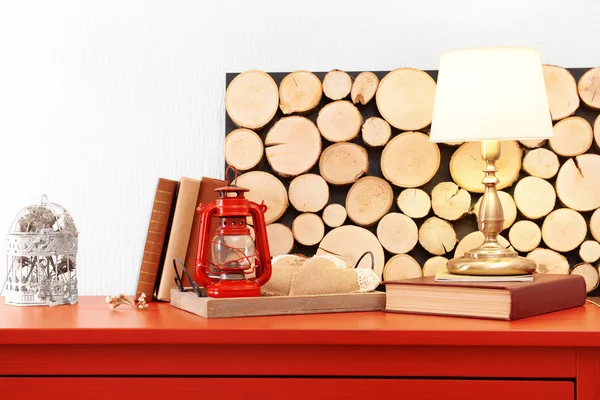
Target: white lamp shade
491, 93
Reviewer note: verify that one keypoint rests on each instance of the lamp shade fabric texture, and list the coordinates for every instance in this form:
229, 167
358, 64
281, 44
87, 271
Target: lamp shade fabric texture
491, 93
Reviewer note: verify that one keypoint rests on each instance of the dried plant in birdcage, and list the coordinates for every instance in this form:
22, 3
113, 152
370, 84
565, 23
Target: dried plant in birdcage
41, 257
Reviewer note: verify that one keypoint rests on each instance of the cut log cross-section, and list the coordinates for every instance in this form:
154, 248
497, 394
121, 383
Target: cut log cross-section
449, 201
589, 88
339, 121
300, 91
549, 261
533, 143
281, 240
350, 243
368, 200
308, 193
265, 187
595, 225
308, 229
364, 87
337, 84
414, 202
334, 215
343, 163
466, 166
589, 273
397, 233
562, 91
410, 160
437, 236
597, 131
534, 197
542, 163
434, 264
572, 136
376, 132
564, 229
401, 266
243, 149
293, 146
405, 99
251, 99
589, 251
525, 235
577, 182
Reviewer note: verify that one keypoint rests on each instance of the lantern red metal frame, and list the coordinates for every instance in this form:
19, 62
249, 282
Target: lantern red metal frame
233, 208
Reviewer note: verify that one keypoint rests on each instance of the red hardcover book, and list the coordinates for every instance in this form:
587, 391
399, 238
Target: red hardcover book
494, 300
158, 227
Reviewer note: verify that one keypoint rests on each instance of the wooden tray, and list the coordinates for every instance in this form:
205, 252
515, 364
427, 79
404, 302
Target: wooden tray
208, 307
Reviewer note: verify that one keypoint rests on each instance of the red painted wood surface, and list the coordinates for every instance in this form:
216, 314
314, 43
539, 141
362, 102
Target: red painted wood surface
287, 388
290, 360
91, 322
124, 353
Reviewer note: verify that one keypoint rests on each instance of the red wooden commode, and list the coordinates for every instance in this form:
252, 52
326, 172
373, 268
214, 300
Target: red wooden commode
90, 352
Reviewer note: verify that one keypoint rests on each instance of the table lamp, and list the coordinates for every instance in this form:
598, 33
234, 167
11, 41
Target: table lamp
488, 95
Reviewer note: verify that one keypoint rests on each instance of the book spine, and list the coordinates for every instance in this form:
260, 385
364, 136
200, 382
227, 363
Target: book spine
206, 195
547, 297
179, 236
160, 217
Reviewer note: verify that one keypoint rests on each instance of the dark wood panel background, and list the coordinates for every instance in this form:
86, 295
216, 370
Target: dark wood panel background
337, 194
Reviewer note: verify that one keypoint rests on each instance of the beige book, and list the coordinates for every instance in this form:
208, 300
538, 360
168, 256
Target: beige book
181, 228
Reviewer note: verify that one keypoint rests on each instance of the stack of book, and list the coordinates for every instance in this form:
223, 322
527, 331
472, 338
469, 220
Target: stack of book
173, 232
505, 298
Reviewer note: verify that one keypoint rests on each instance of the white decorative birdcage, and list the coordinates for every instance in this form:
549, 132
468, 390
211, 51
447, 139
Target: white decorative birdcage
41, 253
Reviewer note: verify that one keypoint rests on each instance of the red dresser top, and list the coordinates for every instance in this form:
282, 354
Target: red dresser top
92, 322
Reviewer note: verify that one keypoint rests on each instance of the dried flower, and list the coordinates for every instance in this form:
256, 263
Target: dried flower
116, 301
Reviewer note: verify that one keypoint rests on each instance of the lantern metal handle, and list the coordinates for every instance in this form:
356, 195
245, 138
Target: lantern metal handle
178, 279
235, 175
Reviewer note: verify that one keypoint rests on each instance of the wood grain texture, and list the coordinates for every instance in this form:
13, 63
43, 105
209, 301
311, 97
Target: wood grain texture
468, 223
276, 305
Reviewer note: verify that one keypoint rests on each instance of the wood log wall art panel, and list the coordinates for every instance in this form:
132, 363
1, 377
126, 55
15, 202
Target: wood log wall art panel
345, 166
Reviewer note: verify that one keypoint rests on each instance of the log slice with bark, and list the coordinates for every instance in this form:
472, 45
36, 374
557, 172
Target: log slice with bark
542, 163
577, 182
572, 136
350, 242
243, 149
564, 229
343, 163
299, 91
405, 98
339, 121
414, 202
562, 91
265, 187
549, 261
368, 200
293, 146
364, 88
251, 99
337, 84
410, 160
397, 233
308, 193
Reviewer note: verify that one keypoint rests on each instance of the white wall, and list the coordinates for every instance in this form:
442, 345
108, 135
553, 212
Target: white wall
99, 98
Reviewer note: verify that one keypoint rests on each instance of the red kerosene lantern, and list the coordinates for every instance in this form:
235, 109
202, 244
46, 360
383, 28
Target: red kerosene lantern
230, 264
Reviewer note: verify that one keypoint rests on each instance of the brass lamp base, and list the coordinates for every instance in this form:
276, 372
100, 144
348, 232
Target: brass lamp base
491, 259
